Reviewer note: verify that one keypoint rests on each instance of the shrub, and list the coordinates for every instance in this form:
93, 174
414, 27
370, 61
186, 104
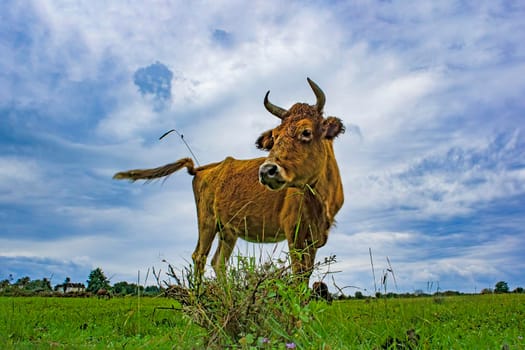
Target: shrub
501, 287
359, 295
252, 305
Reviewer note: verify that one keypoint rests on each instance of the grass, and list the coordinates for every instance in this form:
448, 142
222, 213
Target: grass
258, 305
458, 322
91, 323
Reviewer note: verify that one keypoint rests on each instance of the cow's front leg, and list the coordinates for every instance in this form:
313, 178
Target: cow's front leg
303, 259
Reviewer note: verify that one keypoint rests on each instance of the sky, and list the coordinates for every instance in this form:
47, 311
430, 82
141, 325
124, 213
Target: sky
432, 94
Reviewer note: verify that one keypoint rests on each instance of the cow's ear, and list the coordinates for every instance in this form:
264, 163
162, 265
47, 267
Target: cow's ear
332, 127
265, 141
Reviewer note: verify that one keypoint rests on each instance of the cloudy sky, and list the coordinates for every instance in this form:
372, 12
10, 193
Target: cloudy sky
432, 95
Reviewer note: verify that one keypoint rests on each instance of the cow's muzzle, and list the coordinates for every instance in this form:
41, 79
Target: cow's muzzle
270, 175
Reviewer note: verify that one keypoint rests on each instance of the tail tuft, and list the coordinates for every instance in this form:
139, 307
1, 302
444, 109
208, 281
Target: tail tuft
162, 171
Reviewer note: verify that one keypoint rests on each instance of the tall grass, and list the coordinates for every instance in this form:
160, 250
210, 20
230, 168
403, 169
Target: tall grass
252, 305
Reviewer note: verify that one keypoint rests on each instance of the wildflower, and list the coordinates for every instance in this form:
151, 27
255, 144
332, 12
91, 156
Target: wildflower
290, 345
265, 340
243, 341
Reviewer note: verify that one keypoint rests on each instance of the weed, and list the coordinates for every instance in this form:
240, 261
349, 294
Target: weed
252, 304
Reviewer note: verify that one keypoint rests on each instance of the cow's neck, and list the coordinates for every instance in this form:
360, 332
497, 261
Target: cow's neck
328, 187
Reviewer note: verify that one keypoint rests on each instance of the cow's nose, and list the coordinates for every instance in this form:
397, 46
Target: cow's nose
270, 175
268, 170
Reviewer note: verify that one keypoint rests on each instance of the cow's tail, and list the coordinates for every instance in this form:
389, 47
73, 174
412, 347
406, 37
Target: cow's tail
162, 171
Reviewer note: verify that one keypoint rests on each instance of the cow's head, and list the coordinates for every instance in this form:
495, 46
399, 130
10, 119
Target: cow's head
298, 151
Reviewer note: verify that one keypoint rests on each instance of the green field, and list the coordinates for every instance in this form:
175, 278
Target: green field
494, 321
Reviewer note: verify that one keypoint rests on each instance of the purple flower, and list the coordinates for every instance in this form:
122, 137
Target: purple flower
265, 340
290, 345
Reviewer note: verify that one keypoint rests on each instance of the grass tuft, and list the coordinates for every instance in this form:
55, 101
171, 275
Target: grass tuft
252, 305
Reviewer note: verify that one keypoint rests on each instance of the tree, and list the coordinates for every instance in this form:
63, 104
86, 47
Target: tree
121, 288
518, 290
67, 281
4, 284
152, 290
42, 285
46, 284
501, 287
125, 288
97, 280
23, 282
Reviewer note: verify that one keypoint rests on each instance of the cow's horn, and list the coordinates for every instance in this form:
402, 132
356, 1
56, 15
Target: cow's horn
321, 99
275, 110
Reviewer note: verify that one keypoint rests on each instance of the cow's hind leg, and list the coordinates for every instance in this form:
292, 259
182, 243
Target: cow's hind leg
207, 231
227, 240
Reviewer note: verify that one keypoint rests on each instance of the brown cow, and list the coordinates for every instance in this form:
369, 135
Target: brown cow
301, 195
320, 291
103, 293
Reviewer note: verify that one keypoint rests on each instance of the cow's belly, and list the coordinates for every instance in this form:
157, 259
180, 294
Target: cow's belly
256, 230
263, 237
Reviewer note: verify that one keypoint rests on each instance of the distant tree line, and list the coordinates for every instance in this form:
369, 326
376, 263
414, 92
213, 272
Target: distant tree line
96, 282
500, 288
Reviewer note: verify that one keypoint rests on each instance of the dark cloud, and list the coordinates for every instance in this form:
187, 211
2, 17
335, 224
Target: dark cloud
155, 80
37, 268
223, 38
354, 131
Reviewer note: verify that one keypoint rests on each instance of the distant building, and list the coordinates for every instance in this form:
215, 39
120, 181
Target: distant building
70, 288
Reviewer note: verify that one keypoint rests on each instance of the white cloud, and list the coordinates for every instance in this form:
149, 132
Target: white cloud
443, 184
20, 179
15, 169
133, 117
418, 259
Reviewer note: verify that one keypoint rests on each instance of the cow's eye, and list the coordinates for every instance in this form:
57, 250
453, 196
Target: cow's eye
306, 135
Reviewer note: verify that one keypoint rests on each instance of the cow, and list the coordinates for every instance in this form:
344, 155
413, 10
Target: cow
320, 291
293, 194
103, 293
